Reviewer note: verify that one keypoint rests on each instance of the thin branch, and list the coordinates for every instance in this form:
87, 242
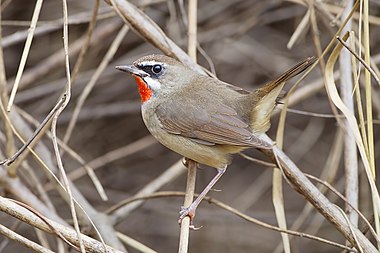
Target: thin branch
258, 161
45, 27
91, 245
134, 244
55, 59
153, 34
26, 242
67, 95
144, 25
228, 208
50, 169
331, 188
10, 147
35, 212
82, 98
189, 196
185, 223
300, 182
86, 44
86, 168
47, 119
25, 53
113, 155
120, 211
350, 153
371, 71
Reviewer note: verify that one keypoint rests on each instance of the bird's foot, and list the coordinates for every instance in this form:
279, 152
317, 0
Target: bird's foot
188, 211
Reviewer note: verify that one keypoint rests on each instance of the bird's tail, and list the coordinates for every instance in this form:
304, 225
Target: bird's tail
266, 96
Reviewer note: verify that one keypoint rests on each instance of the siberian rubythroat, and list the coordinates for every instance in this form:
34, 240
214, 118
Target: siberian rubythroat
202, 118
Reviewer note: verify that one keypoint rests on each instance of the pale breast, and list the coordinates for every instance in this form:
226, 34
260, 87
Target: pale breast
214, 156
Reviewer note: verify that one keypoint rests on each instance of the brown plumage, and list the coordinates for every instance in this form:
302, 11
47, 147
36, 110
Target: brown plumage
202, 118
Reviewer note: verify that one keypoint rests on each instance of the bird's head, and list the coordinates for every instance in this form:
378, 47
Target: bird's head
157, 75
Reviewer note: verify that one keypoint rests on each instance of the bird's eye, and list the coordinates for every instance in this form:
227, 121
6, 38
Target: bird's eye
157, 68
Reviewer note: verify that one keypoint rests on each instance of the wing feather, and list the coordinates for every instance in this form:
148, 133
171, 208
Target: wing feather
208, 122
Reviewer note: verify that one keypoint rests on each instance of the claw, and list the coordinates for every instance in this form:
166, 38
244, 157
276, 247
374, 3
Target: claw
190, 212
186, 211
192, 227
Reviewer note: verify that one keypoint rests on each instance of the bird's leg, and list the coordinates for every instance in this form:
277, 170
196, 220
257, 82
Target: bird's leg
190, 211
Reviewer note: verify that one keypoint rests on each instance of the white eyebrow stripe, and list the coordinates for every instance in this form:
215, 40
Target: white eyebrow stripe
151, 63
145, 63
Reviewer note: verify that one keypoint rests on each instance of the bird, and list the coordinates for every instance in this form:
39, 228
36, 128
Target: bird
202, 118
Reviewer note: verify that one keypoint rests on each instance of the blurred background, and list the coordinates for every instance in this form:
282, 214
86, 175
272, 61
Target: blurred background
245, 43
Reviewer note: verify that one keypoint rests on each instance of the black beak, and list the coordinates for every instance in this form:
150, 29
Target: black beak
132, 69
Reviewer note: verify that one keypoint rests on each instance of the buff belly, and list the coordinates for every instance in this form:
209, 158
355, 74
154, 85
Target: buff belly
217, 156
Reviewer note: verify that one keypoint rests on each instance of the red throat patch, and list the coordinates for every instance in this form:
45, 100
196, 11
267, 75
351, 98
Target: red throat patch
145, 92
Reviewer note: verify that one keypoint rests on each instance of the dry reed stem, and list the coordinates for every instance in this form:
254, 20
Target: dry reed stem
281, 128
66, 95
183, 246
102, 66
56, 59
366, 66
212, 35
278, 203
91, 245
350, 153
358, 246
35, 212
10, 147
319, 201
134, 244
102, 223
300, 30
21, 192
25, 53
358, 94
49, 26
34, 180
85, 46
333, 94
86, 168
369, 117
337, 193
18, 189
99, 221
150, 31
302, 184
42, 238
373, 20
228, 208
119, 212
185, 223
26, 242
282, 119
27, 144
329, 173
114, 155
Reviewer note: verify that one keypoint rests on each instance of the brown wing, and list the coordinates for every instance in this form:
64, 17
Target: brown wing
207, 121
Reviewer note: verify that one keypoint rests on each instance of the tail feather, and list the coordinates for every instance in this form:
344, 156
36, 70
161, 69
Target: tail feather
290, 73
265, 97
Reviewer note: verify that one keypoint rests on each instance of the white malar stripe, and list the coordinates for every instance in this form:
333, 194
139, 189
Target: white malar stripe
152, 83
